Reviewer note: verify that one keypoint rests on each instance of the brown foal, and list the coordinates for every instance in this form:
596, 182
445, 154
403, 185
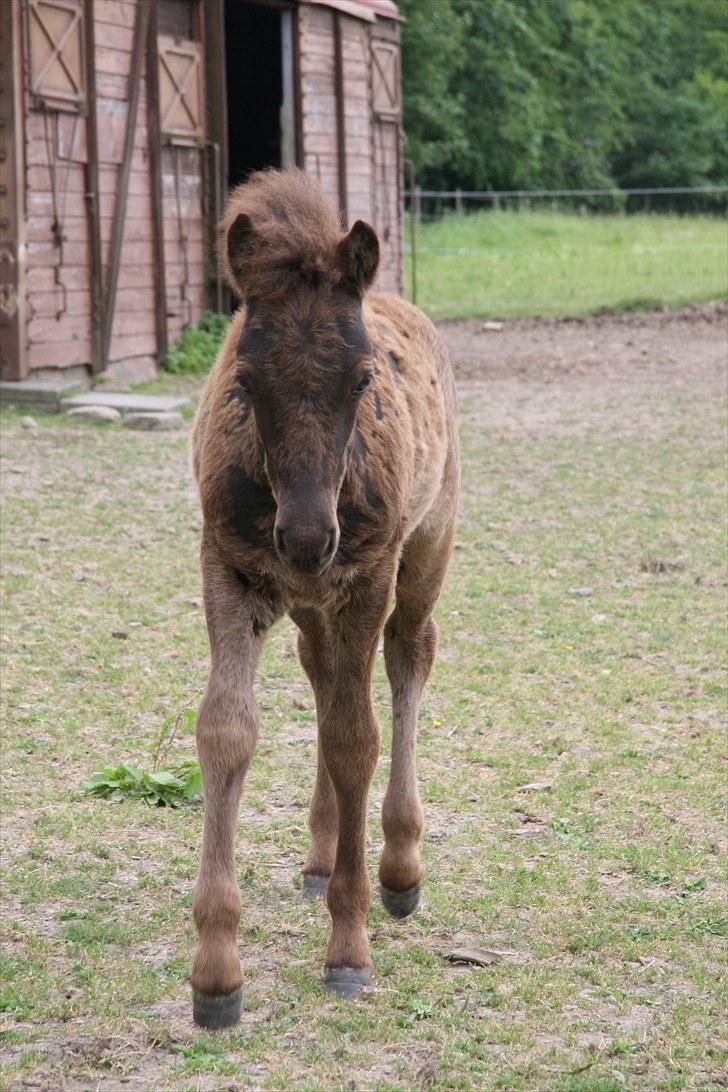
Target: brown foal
326, 454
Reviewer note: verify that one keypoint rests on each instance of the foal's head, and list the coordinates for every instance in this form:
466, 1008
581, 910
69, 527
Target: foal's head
304, 360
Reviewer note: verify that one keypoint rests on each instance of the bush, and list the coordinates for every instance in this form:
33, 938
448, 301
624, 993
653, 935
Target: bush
194, 353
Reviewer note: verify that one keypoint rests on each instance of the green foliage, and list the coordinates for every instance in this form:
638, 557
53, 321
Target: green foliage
522, 94
164, 788
194, 353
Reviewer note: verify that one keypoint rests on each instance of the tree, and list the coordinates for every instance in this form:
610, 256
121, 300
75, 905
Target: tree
522, 94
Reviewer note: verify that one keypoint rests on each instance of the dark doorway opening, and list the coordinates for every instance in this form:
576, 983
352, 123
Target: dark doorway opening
259, 75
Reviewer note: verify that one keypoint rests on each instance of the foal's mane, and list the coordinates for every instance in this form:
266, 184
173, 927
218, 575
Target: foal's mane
294, 234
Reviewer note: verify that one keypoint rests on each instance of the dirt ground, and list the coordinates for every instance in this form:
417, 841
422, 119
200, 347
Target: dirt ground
688, 342
561, 376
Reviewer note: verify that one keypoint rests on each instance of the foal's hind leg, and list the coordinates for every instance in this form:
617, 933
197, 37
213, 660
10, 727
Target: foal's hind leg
316, 654
410, 640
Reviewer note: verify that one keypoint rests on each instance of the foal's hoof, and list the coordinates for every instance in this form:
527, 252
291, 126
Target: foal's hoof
346, 981
217, 1012
400, 904
314, 886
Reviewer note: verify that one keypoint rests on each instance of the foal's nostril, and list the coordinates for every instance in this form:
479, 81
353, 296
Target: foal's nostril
306, 549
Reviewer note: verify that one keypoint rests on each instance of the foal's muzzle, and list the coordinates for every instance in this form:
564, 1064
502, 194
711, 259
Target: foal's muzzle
305, 549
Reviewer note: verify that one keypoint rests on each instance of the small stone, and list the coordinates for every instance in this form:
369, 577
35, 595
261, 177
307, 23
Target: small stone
96, 413
154, 422
120, 634
28, 423
583, 593
492, 325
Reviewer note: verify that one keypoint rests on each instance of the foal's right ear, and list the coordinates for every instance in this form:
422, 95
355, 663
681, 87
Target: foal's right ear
237, 247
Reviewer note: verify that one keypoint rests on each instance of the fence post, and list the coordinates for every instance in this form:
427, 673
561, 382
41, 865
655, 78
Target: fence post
458, 201
413, 191
417, 205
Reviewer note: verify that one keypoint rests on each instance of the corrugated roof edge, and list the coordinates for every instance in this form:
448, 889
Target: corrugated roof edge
368, 10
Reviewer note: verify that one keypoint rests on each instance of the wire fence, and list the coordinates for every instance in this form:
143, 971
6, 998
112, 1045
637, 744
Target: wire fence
427, 204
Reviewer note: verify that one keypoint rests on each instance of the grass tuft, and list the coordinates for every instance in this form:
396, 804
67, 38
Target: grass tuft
507, 264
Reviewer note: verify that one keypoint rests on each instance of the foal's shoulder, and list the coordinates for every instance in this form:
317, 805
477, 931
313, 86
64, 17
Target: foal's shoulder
392, 319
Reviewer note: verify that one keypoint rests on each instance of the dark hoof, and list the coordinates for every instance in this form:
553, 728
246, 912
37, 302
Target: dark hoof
346, 981
314, 886
217, 1012
400, 904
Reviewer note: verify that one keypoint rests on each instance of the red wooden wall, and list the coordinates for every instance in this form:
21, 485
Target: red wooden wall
345, 140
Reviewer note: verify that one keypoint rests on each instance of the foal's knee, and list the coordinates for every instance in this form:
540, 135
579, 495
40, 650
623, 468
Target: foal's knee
226, 733
350, 743
409, 647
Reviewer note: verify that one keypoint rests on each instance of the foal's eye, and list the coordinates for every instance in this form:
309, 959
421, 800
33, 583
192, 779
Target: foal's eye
363, 383
244, 384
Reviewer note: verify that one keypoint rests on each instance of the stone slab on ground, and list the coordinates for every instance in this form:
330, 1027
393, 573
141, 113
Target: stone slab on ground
96, 413
42, 394
128, 403
154, 422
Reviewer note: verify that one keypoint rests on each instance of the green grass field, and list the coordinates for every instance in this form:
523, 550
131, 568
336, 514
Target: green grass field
513, 264
582, 652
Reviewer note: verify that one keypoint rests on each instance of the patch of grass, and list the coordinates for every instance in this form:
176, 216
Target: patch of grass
507, 264
603, 894
195, 351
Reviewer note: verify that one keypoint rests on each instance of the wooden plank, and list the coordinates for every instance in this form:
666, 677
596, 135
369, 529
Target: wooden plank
340, 127
155, 167
111, 87
74, 254
213, 37
119, 13
39, 180
316, 66
113, 37
297, 92
91, 178
41, 279
55, 355
112, 63
45, 304
141, 26
14, 361
137, 229
128, 345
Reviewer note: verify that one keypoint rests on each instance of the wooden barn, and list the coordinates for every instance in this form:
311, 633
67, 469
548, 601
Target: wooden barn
124, 122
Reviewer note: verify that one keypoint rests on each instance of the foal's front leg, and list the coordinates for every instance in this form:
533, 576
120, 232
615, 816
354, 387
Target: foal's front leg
317, 657
349, 739
227, 728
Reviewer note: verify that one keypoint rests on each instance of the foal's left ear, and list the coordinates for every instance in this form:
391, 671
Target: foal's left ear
237, 246
357, 257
